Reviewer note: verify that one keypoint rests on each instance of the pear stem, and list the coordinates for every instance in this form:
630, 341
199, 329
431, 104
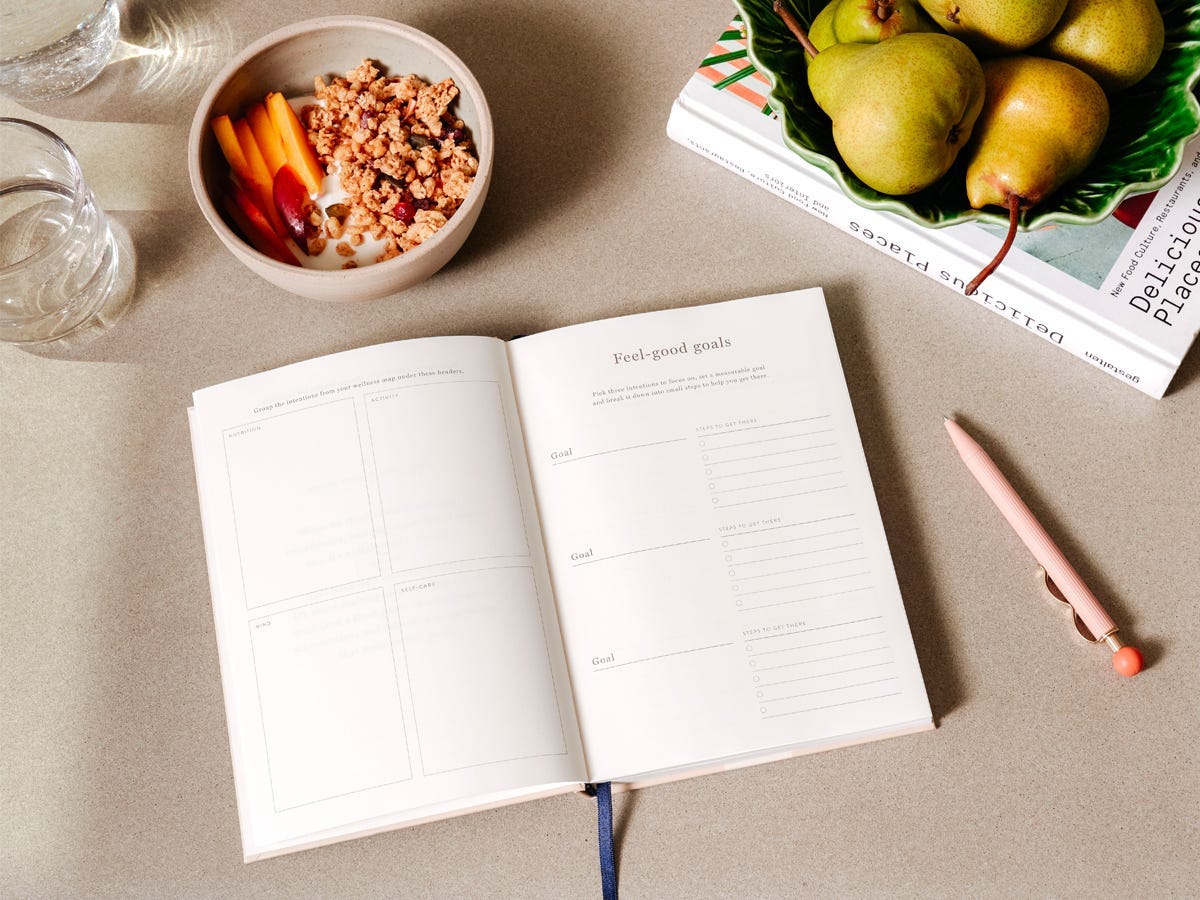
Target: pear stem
884, 9
795, 28
1014, 212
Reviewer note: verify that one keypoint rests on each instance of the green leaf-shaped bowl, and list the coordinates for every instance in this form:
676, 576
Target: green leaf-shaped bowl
1150, 124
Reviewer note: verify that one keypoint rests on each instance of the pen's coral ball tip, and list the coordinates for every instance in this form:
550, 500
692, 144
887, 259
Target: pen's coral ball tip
1127, 661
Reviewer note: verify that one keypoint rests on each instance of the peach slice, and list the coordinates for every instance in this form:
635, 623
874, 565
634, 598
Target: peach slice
294, 206
300, 154
267, 136
259, 175
253, 224
227, 140
256, 166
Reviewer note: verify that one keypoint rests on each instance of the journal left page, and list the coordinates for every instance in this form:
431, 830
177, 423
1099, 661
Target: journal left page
389, 646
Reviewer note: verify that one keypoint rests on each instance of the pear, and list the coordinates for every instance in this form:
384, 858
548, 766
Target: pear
997, 26
1117, 42
901, 109
866, 21
820, 32
1041, 125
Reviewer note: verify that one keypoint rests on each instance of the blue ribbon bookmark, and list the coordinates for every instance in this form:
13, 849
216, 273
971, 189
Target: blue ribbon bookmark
608, 864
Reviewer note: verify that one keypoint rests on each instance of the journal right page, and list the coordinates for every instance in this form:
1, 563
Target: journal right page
723, 580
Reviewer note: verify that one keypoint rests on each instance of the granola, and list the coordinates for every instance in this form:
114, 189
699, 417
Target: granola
404, 160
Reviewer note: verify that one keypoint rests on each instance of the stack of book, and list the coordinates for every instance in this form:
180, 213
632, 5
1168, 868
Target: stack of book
1117, 294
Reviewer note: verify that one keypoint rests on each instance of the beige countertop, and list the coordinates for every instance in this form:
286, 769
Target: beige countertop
1047, 775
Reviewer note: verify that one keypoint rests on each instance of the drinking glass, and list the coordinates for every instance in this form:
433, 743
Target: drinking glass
64, 269
51, 48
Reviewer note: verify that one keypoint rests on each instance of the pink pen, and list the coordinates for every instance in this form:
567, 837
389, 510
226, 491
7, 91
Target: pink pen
1061, 578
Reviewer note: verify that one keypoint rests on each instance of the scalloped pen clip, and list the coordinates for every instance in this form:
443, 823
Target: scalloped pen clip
1126, 660
1060, 578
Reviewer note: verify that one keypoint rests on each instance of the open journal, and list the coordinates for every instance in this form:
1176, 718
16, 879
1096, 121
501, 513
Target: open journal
452, 573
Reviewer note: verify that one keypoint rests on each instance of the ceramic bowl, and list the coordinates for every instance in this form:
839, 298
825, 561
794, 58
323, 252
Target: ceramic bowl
287, 61
1150, 125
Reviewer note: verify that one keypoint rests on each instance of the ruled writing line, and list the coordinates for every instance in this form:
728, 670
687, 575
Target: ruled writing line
751, 487
661, 656
809, 462
890, 662
833, 705
782, 437
787, 587
588, 562
844, 687
618, 450
853, 637
805, 662
807, 537
835, 487
717, 462
750, 562
802, 599
825, 565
